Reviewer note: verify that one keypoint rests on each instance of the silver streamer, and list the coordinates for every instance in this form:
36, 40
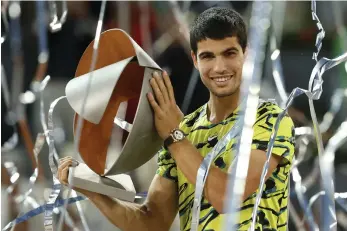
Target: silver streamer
80, 118
123, 124
193, 80
145, 23
259, 25
177, 31
17, 109
236, 184
12, 142
205, 167
336, 102
337, 197
181, 18
41, 209
53, 151
48, 216
4, 21
21, 199
315, 86
41, 89
312, 177
43, 52
314, 92
13, 175
277, 72
294, 216
297, 179
299, 189
341, 199
29, 200
68, 220
335, 106
40, 140
306, 132
57, 23
4, 87
327, 171
296, 176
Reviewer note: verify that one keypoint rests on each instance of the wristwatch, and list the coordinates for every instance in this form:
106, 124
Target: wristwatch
175, 136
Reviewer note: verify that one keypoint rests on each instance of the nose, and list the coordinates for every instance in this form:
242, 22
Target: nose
220, 66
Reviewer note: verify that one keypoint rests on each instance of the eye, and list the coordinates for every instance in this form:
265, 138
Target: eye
230, 53
207, 56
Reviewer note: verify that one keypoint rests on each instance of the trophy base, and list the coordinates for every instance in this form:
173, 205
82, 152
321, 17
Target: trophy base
117, 186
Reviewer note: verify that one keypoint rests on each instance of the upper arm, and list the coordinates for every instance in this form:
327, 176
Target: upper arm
255, 169
162, 198
283, 146
162, 201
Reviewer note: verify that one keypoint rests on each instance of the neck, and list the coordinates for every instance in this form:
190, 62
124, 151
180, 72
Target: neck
219, 108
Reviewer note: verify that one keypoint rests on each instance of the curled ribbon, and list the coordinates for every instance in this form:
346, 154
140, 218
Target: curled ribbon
21, 199
57, 23
80, 118
204, 170
259, 24
314, 92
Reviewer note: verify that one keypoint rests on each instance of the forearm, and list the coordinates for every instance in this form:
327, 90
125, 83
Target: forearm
188, 160
125, 215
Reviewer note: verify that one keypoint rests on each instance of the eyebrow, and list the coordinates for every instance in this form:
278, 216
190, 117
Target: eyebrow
223, 52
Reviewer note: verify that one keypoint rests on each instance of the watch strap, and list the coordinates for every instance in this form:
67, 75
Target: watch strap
168, 141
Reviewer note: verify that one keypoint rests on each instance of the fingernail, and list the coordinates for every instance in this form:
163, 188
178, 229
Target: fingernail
155, 74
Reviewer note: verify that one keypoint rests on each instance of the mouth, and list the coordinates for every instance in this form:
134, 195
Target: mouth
222, 79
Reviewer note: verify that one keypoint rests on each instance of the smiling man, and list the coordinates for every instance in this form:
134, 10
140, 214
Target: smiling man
219, 47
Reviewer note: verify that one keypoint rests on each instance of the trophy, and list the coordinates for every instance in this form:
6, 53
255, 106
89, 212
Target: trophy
118, 133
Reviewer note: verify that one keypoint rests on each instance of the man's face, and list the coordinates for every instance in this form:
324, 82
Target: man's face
220, 65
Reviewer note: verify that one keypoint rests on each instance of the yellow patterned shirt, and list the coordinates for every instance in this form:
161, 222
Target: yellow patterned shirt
272, 213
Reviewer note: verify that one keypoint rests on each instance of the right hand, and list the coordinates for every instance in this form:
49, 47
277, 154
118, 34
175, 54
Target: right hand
63, 174
63, 169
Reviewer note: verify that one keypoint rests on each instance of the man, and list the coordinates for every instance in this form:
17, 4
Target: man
219, 45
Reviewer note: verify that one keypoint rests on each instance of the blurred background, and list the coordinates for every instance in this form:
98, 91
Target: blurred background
160, 28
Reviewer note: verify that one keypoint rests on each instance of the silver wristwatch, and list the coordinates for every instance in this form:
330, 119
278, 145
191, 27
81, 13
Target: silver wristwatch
175, 136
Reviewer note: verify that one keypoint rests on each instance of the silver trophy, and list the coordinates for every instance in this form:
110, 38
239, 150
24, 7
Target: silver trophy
118, 133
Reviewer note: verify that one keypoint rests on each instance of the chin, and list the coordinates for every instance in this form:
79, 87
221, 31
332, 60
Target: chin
223, 94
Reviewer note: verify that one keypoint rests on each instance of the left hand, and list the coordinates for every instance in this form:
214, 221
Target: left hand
167, 115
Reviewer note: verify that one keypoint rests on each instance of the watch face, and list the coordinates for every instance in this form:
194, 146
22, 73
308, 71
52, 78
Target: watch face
178, 134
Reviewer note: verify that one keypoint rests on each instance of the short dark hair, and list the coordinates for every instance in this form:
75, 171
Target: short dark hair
218, 23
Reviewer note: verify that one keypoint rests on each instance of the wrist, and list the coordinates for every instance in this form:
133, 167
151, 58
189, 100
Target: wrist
174, 148
175, 136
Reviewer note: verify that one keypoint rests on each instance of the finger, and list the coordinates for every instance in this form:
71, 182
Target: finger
169, 87
65, 158
162, 86
154, 104
66, 163
158, 95
64, 175
60, 170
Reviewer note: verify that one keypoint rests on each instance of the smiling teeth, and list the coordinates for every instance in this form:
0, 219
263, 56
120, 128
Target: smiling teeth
222, 79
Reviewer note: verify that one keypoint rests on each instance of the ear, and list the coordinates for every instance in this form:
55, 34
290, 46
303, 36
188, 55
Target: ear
245, 53
194, 58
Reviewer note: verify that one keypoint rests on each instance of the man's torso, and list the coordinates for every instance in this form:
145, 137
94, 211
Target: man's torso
272, 211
